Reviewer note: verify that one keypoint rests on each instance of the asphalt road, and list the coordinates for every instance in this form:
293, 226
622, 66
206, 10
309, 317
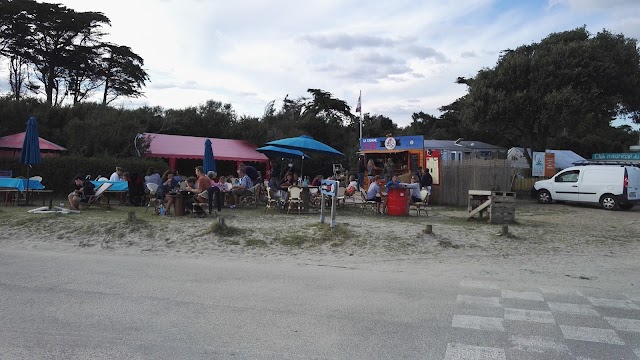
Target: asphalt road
56, 305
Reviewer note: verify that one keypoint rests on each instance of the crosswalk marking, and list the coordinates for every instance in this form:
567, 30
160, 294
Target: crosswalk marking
477, 322
529, 315
606, 336
456, 351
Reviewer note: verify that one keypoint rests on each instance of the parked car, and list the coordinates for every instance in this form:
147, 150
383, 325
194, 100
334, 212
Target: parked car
612, 186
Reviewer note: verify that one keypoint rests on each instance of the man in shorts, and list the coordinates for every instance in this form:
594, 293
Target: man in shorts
82, 193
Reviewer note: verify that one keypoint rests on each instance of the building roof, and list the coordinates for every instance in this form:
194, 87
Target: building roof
462, 145
192, 147
15, 141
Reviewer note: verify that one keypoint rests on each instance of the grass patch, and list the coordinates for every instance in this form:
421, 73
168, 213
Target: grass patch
255, 242
317, 234
225, 231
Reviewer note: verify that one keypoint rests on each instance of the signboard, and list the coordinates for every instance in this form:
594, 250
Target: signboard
432, 163
549, 164
538, 164
329, 187
392, 143
414, 161
616, 156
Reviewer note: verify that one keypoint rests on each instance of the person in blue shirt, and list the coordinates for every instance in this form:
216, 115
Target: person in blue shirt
242, 189
394, 183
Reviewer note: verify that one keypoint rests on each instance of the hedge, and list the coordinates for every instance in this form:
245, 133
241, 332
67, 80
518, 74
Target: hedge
58, 172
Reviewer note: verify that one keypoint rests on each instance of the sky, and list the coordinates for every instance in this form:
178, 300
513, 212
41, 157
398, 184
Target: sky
404, 55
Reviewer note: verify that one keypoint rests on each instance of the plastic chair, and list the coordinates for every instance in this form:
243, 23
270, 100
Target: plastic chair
271, 200
295, 197
38, 178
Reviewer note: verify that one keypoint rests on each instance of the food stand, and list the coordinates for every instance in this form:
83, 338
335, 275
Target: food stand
406, 152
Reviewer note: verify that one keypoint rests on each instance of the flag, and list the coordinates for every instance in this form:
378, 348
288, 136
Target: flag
359, 107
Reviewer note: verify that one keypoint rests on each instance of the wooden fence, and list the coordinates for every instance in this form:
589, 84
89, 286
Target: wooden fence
457, 178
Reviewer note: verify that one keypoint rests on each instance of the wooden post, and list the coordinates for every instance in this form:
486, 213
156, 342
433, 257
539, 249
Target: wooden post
221, 221
132, 215
505, 230
428, 229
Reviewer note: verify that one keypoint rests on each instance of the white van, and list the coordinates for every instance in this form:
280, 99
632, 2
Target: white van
612, 186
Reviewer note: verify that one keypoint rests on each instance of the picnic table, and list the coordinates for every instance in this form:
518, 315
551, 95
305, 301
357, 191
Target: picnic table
9, 186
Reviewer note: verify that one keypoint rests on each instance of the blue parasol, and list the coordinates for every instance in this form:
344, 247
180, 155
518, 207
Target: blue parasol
209, 163
306, 144
30, 153
282, 152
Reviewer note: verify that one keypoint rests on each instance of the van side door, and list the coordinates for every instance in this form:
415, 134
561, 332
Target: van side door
565, 186
596, 182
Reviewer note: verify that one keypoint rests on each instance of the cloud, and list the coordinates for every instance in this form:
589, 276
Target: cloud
468, 54
424, 52
347, 41
376, 58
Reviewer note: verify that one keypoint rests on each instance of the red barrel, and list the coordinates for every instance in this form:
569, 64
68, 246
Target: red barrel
397, 202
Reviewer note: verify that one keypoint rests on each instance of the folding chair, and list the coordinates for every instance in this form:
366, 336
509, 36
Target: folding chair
95, 198
153, 188
251, 199
365, 202
272, 201
421, 205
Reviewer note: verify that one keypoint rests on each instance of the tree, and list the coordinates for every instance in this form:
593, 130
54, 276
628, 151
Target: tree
122, 72
570, 82
53, 34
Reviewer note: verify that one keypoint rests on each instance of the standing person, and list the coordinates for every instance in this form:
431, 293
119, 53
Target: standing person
117, 175
361, 170
274, 176
152, 177
389, 168
371, 170
427, 182
83, 190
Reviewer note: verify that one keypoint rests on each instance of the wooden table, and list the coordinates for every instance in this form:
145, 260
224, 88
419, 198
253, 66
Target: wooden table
180, 203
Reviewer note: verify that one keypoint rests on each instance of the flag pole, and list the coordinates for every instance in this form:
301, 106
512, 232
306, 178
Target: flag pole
359, 109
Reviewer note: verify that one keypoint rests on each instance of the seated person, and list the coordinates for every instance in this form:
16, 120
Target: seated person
217, 190
203, 184
152, 177
117, 175
415, 189
374, 193
84, 189
317, 181
242, 189
169, 184
285, 183
352, 186
393, 183
191, 182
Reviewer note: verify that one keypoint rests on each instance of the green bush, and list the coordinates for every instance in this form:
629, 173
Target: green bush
57, 172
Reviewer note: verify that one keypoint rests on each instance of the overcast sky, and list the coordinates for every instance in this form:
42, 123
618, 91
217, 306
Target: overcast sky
403, 54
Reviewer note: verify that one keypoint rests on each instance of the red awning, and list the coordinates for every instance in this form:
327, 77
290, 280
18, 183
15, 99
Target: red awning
15, 141
191, 147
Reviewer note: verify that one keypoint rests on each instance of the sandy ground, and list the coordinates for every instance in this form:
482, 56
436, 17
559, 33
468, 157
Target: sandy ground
577, 240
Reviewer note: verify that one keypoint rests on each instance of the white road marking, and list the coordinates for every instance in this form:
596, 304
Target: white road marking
478, 322
561, 291
539, 344
624, 324
479, 300
606, 336
576, 309
619, 304
457, 351
522, 295
529, 315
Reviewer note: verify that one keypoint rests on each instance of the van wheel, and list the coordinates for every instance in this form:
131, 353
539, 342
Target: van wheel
544, 197
609, 202
626, 206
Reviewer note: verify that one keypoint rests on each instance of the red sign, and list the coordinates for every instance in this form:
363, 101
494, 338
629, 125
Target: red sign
549, 164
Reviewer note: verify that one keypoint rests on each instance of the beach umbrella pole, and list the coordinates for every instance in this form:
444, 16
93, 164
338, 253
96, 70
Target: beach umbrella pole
28, 175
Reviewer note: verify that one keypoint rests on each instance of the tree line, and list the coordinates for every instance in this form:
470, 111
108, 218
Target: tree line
58, 52
562, 93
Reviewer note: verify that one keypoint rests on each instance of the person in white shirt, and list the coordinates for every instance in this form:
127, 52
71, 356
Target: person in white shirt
116, 176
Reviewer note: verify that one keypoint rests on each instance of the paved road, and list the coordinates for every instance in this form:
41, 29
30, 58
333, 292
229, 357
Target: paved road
57, 305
